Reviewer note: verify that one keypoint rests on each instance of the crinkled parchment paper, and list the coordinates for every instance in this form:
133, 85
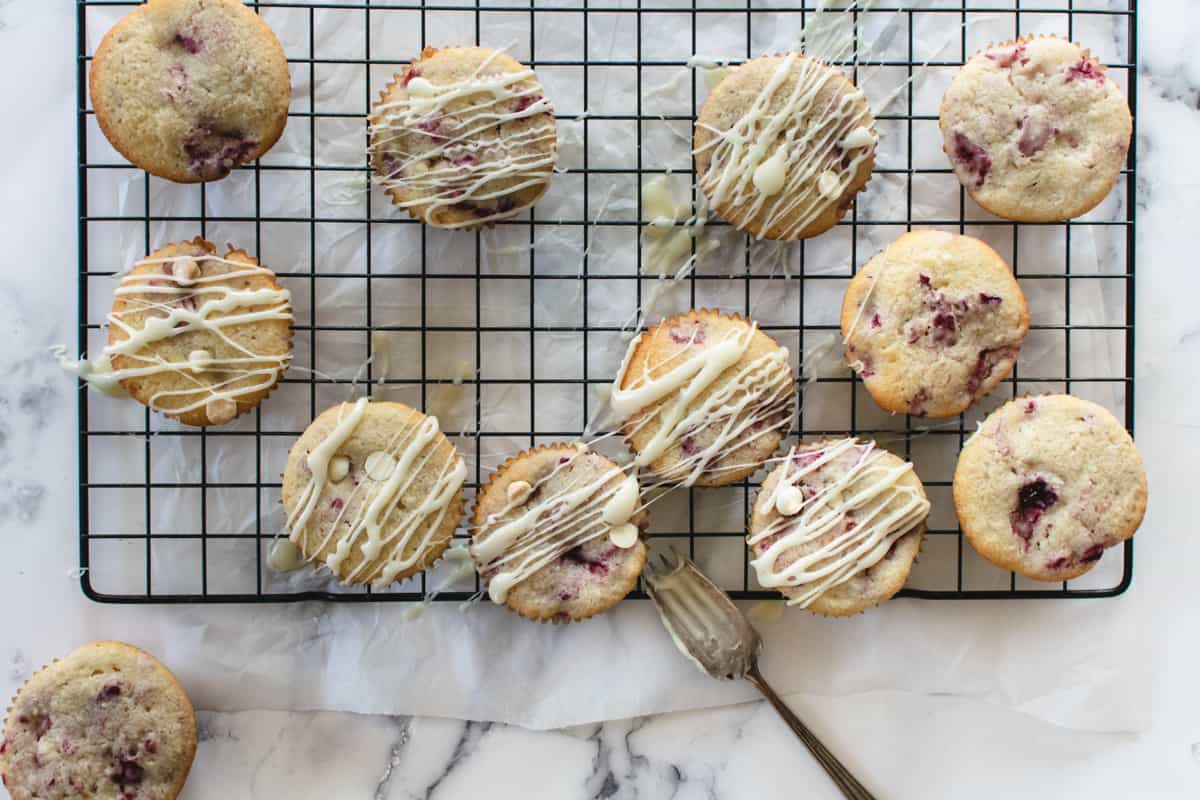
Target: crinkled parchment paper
1074, 663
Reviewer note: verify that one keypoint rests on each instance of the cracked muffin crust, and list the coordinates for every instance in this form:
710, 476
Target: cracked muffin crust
463, 137
107, 722
1036, 130
933, 323
189, 89
1046, 484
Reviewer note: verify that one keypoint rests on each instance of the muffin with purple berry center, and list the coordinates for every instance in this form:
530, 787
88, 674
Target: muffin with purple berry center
1047, 484
556, 533
189, 89
933, 323
106, 721
1036, 130
463, 137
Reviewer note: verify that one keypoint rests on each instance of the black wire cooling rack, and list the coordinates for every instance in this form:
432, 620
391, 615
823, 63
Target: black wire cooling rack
156, 528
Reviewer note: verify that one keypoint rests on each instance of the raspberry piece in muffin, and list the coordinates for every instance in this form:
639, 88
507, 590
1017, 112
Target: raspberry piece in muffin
107, 721
556, 533
463, 137
1035, 130
373, 491
837, 526
783, 144
189, 89
703, 398
1046, 484
933, 323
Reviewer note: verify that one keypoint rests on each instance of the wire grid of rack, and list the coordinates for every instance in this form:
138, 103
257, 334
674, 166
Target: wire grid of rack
190, 543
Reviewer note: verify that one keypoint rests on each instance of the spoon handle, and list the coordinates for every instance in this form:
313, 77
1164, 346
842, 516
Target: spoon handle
850, 787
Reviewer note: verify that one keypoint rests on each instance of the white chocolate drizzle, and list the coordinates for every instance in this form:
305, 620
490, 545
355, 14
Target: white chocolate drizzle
523, 537
754, 401
473, 161
382, 520
772, 163
815, 521
184, 301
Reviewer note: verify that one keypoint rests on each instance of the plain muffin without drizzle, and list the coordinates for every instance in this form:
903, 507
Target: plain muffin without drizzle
933, 323
189, 89
107, 722
1047, 484
1036, 130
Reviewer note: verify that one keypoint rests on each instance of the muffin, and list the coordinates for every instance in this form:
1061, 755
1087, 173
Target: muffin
189, 89
106, 721
704, 398
1035, 129
1046, 484
373, 491
837, 526
933, 323
199, 337
555, 533
782, 145
463, 137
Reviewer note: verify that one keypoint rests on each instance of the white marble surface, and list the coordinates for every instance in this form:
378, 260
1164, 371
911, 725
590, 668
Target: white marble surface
903, 745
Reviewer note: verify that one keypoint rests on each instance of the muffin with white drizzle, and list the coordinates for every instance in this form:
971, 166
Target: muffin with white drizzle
199, 337
837, 526
556, 533
373, 491
704, 398
463, 137
783, 144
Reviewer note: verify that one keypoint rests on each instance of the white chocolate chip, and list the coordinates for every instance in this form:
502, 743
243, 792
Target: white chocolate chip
220, 410
518, 492
339, 468
185, 271
199, 360
827, 184
789, 500
379, 465
624, 535
771, 174
420, 87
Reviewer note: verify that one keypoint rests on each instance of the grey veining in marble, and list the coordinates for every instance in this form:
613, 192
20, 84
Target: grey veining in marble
905, 746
